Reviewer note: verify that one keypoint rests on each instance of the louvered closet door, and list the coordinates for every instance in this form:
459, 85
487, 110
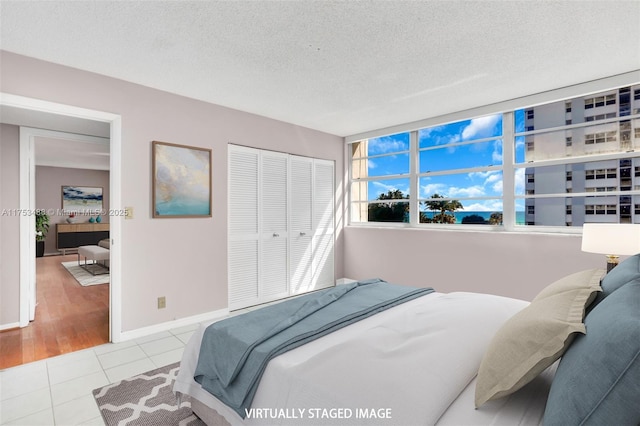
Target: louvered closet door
243, 227
274, 279
301, 224
323, 224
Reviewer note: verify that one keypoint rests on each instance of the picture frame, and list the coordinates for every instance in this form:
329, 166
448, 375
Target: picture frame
181, 182
82, 199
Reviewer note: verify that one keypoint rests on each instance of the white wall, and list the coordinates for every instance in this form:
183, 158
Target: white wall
9, 226
508, 264
184, 260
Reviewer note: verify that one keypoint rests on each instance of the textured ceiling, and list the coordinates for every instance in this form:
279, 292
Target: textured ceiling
341, 67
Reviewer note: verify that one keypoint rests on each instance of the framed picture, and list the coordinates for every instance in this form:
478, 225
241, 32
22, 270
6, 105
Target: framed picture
181, 181
82, 199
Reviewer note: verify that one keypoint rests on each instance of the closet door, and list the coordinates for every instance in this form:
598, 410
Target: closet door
281, 225
323, 224
274, 277
301, 224
243, 217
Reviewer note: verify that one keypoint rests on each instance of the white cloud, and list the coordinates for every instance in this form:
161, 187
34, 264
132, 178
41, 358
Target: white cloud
520, 181
482, 175
386, 145
383, 187
496, 155
471, 191
497, 186
433, 188
485, 206
492, 178
371, 164
425, 133
481, 127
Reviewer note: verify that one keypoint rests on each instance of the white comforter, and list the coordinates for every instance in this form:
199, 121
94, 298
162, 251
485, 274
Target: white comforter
403, 366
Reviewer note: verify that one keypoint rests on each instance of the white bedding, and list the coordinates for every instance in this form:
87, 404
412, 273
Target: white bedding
403, 366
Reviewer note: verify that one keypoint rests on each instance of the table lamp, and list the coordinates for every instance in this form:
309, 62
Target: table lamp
612, 239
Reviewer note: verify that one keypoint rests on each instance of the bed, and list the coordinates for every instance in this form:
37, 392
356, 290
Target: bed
451, 359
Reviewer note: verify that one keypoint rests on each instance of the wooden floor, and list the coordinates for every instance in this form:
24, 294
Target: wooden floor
69, 317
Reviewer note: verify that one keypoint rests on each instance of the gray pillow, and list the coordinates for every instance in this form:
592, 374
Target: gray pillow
598, 378
628, 270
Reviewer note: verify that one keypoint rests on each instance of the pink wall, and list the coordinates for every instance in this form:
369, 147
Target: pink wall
184, 260
49, 182
9, 226
516, 265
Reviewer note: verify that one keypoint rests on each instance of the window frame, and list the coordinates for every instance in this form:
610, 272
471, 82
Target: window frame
507, 109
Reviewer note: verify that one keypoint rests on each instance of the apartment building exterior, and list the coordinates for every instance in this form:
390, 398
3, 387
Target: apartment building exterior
564, 134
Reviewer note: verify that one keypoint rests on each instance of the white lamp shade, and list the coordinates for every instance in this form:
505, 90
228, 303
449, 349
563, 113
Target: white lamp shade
611, 238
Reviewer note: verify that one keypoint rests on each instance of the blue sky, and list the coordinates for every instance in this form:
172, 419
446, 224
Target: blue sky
446, 151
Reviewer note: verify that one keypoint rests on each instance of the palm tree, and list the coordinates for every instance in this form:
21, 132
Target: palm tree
443, 207
389, 212
495, 218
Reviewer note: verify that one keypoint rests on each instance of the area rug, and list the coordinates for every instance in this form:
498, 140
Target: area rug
146, 399
83, 277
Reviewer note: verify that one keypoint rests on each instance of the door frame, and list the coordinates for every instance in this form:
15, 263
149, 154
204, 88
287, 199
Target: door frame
28, 154
27, 204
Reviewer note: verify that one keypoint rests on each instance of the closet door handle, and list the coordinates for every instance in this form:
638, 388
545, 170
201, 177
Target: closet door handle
276, 235
302, 234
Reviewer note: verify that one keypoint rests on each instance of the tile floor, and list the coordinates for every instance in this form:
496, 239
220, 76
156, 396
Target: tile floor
57, 391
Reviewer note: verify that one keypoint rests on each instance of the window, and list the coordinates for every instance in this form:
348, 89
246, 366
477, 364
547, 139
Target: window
460, 172
599, 101
458, 175
454, 173
380, 179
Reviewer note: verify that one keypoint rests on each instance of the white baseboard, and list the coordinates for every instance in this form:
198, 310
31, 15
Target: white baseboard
170, 325
9, 326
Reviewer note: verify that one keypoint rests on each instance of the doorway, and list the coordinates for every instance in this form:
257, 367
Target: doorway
27, 203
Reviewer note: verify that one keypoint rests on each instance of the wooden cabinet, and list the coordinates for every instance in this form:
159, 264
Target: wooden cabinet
73, 235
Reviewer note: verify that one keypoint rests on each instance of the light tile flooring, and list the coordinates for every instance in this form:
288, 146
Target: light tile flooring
57, 391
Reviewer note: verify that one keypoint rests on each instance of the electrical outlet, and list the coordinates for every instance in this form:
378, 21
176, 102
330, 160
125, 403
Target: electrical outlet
162, 302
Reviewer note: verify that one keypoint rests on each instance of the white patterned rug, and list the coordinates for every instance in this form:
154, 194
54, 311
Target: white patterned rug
146, 399
83, 277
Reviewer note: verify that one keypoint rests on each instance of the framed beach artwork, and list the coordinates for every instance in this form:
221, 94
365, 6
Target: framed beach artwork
82, 199
181, 181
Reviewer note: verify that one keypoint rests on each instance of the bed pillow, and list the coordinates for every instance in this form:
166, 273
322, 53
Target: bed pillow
536, 337
628, 270
597, 380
